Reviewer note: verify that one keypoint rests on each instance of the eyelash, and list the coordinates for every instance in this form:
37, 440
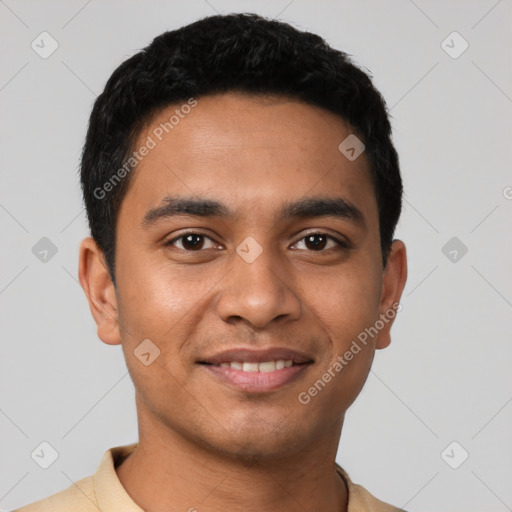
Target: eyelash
341, 244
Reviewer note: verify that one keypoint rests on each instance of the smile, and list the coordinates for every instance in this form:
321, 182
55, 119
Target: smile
256, 371
266, 366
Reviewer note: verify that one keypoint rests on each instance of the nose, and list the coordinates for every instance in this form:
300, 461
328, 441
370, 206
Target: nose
258, 293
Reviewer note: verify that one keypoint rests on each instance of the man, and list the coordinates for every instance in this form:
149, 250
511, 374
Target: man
242, 191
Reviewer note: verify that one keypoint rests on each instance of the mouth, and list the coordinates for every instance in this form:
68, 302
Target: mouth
259, 371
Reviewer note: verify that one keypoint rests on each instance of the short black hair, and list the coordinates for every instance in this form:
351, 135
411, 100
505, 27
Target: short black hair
230, 53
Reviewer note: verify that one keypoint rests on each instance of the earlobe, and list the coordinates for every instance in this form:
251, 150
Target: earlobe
393, 283
99, 290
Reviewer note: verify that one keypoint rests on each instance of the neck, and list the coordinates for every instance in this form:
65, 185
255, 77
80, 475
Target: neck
169, 473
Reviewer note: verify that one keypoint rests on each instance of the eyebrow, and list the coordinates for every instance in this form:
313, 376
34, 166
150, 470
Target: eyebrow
309, 207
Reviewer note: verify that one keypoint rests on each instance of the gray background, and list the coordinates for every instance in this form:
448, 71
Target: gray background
446, 376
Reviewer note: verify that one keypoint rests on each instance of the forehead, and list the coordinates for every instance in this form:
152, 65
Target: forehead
252, 150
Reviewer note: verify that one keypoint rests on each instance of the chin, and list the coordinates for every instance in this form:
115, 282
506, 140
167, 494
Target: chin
261, 441
254, 452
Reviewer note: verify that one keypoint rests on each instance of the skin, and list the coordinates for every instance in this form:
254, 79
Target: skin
202, 443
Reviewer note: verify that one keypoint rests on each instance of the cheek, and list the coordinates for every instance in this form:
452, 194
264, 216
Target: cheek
159, 302
344, 306
346, 303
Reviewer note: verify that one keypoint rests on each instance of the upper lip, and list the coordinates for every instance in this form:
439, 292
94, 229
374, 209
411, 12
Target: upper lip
257, 356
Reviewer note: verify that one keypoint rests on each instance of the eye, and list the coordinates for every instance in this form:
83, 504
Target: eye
196, 241
319, 242
192, 241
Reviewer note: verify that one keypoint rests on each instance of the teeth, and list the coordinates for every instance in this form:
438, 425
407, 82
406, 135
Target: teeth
250, 367
267, 366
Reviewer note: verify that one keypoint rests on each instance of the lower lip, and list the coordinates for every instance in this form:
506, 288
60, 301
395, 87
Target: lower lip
256, 382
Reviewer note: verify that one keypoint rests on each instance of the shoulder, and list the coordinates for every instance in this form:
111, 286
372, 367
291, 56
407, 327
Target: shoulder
360, 500
101, 491
367, 502
78, 497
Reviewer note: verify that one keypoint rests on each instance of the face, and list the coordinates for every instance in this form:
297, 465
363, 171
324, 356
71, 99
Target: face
248, 253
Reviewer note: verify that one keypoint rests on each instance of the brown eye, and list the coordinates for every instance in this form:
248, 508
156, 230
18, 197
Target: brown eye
192, 242
319, 241
315, 242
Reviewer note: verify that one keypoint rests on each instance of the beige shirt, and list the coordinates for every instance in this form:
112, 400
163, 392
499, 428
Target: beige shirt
104, 491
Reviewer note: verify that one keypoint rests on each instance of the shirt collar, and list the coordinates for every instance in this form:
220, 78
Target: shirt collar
112, 496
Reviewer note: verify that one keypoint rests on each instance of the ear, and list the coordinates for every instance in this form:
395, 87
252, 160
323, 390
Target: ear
100, 291
393, 282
